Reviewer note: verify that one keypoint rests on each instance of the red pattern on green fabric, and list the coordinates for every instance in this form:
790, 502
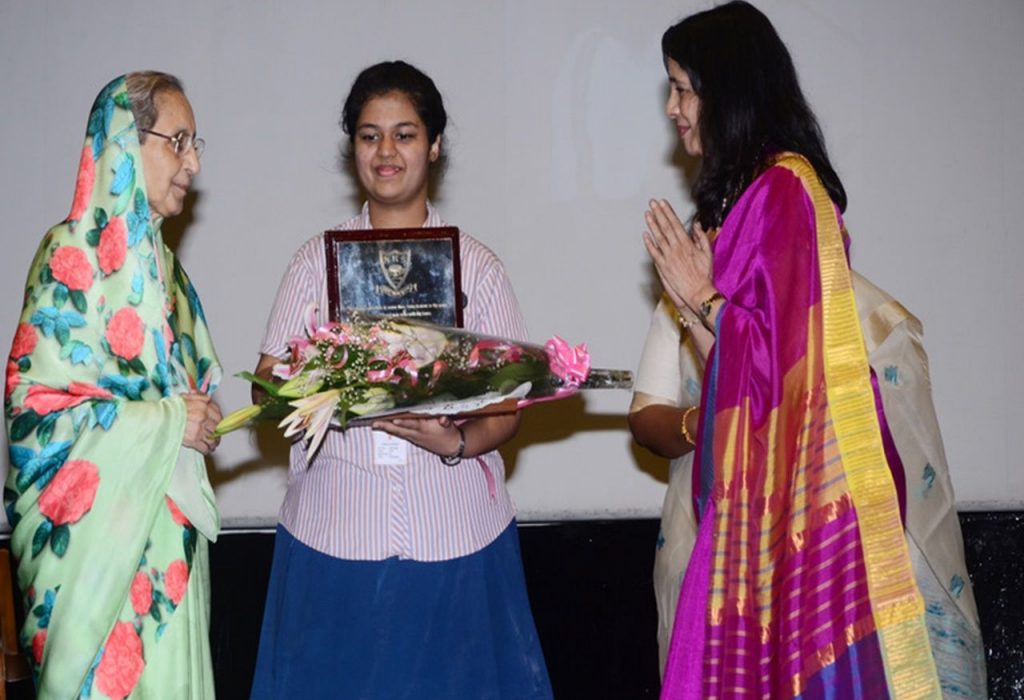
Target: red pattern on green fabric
70, 266
89, 401
122, 664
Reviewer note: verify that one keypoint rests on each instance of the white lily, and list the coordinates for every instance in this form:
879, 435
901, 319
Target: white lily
312, 416
375, 399
424, 345
303, 384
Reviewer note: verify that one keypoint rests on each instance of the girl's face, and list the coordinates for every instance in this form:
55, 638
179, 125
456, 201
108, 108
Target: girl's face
392, 153
683, 108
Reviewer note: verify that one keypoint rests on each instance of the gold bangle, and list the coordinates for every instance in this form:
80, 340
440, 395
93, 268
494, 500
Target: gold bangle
682, 425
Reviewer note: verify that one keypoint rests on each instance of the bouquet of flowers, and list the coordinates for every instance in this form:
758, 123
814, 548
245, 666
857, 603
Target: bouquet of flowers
370, 367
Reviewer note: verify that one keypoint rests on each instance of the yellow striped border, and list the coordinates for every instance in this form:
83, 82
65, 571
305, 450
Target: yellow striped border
897, 604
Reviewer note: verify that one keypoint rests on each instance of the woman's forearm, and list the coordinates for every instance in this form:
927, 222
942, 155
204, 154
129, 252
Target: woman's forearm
489, 432
659, 428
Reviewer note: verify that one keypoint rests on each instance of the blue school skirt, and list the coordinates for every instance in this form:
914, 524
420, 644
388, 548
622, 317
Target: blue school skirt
459, 629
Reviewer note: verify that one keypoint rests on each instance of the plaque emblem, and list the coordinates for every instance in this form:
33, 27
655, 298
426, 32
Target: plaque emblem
395, 263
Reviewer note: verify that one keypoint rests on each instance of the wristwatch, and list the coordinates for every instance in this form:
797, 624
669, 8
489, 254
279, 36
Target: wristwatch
705, 306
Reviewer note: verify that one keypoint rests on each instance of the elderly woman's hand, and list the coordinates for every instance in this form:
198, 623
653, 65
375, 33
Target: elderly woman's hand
684, 264
202, 416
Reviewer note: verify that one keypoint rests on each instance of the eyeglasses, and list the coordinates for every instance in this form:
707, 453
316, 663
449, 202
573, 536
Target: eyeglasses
181, 142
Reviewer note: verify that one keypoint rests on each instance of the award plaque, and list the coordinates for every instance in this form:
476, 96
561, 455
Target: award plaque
413, 273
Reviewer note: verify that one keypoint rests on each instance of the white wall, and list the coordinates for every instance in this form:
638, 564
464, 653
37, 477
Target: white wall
559, 139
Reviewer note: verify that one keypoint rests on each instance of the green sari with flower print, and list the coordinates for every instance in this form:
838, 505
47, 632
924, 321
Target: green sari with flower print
111, 515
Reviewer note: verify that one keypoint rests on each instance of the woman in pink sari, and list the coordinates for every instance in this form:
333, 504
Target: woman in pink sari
801, 583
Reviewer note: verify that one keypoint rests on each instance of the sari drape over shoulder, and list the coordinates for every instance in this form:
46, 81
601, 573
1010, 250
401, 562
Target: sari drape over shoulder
800, 584
110, 514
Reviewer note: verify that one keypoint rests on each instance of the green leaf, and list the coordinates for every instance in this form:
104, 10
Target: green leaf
101, 218
45, 432
46, 275
79, 301
60, 295
63, 333
137, 365
512, 375
268, 386
122, 100
92, 237
41, 536
24, 424
60, 540
154, 610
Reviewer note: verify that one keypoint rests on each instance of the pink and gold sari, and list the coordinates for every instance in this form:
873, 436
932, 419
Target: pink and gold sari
800, 584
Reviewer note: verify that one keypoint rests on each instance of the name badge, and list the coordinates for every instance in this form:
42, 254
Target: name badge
389, 450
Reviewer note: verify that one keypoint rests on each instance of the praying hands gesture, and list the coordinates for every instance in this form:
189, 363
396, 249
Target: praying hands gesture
683, 262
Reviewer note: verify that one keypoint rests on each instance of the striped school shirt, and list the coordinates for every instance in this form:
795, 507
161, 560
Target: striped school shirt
344, 504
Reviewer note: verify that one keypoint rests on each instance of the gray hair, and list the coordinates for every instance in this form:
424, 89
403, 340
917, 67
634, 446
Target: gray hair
143, 87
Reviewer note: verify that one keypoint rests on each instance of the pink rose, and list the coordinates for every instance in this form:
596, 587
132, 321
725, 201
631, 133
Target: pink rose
70, 266
125, 333
13, 379
176, 580
141, 593
113, 246
70, 493
83, 185
122, 664
24, 340
176, 515
570, 364
38, 644
44, 399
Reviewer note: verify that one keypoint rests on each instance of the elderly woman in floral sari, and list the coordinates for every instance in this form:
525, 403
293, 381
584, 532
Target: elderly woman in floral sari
803, 581
108, 417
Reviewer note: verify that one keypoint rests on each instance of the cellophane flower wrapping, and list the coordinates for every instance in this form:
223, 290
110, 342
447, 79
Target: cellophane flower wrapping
371, 366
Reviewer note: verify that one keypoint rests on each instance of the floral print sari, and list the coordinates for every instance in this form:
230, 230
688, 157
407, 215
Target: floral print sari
110, 514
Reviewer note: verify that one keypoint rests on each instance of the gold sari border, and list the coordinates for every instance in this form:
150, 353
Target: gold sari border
896, 601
